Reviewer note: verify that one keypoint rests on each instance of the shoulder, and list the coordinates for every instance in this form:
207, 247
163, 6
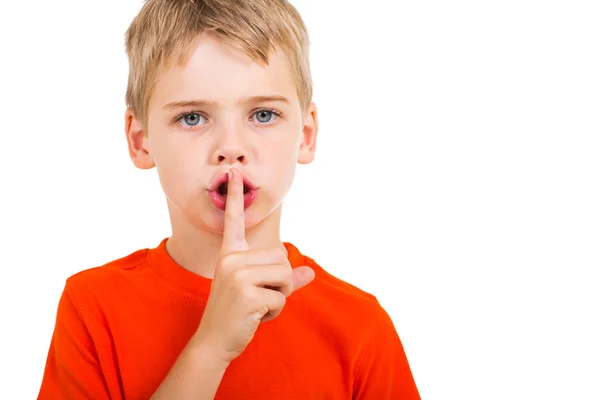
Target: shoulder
334, 286
109, 270
347, 306
92, 295
104, 278
352, 321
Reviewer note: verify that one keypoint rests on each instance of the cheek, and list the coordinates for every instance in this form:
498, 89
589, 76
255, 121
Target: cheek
284, 167
175, 167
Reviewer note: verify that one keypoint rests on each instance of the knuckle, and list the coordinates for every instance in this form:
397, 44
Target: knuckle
239, 276
228, 261
250, 296
281, 300
239, 236
286, 291
280, 256
274, 314
287, 274
260, 315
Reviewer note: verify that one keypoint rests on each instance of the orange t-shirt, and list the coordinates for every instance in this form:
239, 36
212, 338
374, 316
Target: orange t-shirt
120, 327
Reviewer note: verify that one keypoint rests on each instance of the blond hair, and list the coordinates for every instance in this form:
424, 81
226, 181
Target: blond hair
163, 31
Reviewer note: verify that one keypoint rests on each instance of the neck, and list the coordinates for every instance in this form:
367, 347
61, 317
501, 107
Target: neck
198, 250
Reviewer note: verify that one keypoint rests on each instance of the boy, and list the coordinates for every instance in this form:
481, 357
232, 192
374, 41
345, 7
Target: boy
219, 101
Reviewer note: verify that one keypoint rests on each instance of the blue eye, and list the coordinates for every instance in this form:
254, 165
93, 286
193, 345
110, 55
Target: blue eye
265, 116
192, 119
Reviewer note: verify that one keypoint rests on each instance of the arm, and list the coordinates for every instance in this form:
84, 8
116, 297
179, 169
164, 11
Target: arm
382, 371
196, 374
72, 369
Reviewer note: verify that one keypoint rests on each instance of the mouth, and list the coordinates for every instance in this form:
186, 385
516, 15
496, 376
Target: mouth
218, 192
222, 188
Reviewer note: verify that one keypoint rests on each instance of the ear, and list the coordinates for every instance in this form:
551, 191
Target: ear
310, 129
139, 149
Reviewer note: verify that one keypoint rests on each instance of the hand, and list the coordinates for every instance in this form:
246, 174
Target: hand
250, 286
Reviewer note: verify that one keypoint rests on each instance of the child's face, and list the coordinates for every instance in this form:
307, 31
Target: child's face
193, 145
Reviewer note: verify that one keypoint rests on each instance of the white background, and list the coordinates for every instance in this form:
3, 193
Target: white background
457, 178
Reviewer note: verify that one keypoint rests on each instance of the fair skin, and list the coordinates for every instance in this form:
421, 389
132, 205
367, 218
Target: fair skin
228, 132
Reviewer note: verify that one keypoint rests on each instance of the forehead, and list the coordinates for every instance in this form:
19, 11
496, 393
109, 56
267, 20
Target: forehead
219, 72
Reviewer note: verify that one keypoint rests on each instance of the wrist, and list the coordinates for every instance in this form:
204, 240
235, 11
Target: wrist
210, 352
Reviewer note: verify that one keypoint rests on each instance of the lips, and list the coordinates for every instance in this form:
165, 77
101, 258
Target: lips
218, 191
221, 181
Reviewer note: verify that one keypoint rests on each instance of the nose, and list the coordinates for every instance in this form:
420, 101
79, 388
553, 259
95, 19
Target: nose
230, 156
232, 148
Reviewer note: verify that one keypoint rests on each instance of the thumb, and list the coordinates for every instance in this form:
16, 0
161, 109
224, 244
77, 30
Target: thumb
302, 276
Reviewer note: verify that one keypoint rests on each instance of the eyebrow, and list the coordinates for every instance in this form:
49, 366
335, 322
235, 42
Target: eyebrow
214, 104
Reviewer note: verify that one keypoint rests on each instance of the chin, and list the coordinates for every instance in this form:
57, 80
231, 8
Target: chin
215, 222
206, 217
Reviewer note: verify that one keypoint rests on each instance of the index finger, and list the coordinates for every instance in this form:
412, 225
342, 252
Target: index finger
234, 230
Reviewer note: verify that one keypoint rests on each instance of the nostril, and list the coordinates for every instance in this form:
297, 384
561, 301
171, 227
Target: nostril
222, 158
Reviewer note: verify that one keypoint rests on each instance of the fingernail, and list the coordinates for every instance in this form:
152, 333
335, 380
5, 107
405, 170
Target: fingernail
230, 174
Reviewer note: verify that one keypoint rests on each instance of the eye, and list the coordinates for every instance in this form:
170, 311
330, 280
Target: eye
191, 119
266, 116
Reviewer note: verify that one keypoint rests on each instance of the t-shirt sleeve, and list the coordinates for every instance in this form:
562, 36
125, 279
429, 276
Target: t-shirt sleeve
72, 369
382, 370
